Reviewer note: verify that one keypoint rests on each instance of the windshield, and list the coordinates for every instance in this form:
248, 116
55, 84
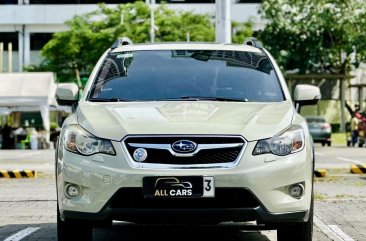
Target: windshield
155, 75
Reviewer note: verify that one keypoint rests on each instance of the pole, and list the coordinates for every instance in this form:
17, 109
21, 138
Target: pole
152, 21
10, 57
1, 56
21, 48
360, 97
26, 46
343, 103
223, 21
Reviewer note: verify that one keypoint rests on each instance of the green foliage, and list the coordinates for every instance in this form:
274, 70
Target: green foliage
53, 126
315, 36
79, 48
241, 31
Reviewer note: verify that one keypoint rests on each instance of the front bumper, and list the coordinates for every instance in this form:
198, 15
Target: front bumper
229, 204
265, 177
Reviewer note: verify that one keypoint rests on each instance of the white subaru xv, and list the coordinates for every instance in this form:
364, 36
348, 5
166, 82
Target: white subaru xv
185, 133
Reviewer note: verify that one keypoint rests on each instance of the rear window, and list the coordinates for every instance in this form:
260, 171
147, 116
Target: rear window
315, 120
180, 74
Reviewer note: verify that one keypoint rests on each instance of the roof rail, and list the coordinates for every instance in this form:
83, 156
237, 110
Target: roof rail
121, 41
253, 42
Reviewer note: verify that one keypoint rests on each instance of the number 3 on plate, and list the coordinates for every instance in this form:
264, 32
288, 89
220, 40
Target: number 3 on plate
208, 187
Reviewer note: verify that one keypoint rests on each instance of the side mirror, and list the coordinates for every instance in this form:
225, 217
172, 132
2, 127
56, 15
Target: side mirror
306, 95
67, 94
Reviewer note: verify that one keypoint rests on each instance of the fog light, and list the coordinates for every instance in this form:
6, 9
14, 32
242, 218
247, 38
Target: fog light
296, 190
72, 190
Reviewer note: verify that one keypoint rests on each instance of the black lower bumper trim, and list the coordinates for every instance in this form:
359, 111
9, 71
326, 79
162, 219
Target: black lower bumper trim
229, 204
188, 215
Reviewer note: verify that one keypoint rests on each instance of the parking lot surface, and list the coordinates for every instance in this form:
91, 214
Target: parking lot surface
28, 205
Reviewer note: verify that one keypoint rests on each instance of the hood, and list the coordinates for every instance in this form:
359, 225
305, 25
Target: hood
251, 120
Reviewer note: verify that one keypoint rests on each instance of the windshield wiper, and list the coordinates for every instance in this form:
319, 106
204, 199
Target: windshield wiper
107, 99
212, 98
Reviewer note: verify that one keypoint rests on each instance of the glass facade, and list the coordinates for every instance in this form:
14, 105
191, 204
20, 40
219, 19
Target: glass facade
11, 37
38, 40
8, 1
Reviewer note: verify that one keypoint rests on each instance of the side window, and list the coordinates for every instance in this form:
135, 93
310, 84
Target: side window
110, 69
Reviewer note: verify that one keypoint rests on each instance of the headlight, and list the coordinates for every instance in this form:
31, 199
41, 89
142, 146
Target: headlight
289, 141
76, 139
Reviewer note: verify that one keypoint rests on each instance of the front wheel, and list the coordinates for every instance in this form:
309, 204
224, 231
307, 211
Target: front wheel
73, 229
299, 231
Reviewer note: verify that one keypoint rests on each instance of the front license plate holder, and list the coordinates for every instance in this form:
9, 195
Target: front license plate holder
179, 187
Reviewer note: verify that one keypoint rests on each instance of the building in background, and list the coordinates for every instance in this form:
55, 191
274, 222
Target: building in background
29, 24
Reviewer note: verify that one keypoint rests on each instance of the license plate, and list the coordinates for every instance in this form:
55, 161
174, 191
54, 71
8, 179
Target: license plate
179, 187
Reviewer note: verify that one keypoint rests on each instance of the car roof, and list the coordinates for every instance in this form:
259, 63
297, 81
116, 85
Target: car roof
187, 46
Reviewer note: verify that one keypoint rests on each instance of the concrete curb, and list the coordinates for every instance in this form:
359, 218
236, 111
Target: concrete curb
358, 169
320, 172
18, 174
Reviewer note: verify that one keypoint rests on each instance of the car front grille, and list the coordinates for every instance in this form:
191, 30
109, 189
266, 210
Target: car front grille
217, 150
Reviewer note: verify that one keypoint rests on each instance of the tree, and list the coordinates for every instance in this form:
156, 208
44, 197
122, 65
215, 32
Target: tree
78, 49
315, 36
242, 31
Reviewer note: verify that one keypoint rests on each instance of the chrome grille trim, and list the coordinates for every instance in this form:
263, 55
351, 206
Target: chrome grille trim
199, 147
141, 165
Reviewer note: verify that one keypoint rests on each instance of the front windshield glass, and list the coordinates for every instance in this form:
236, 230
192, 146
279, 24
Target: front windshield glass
155, 75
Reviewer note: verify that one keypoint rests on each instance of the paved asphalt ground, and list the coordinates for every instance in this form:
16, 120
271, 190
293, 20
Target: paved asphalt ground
28, 206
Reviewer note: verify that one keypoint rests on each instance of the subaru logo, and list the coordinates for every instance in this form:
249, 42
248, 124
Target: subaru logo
184, 146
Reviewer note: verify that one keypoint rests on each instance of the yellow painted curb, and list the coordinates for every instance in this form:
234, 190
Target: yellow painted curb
18, 174
358, 169
320, 173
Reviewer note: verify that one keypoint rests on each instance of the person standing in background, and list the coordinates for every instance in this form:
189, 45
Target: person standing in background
354, 125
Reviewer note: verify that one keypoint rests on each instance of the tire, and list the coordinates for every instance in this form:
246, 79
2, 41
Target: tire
323, 143
73, 229
360, 145
329, 143
348, 143
298, 231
